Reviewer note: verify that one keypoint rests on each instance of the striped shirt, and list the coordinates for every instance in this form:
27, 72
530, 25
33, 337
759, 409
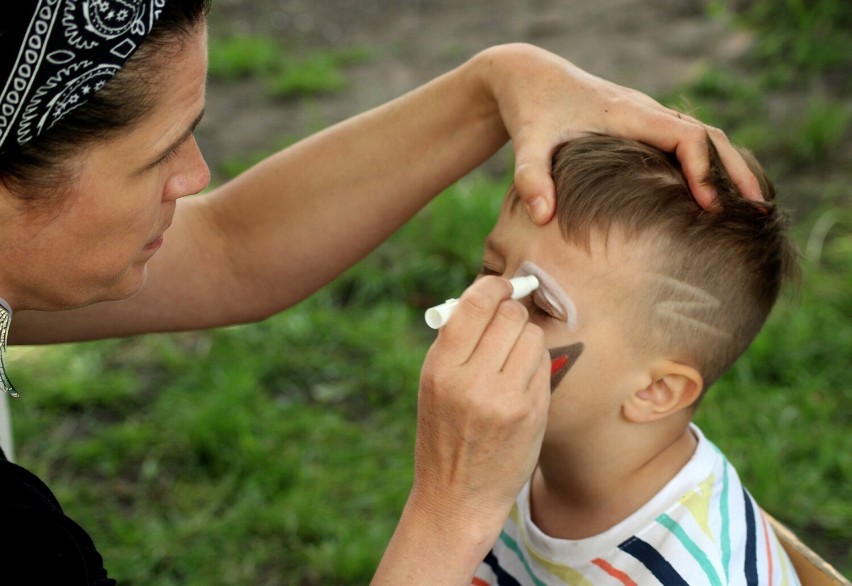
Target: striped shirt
703, 528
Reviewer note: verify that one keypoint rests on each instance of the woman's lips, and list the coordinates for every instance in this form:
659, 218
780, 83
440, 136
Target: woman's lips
155, 244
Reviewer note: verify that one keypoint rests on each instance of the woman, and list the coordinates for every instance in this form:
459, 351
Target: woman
99, 101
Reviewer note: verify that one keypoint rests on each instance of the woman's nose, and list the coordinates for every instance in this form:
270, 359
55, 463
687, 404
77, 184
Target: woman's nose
191, 173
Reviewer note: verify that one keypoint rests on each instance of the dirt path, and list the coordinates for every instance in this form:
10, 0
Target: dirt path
649, 45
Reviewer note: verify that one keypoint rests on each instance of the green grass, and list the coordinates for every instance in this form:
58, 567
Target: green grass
806, 131
244, 455
796, 39
282, 70
787, 97
241, 56
320, 72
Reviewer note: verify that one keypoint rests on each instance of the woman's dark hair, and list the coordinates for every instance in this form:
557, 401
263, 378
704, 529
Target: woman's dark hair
37, 169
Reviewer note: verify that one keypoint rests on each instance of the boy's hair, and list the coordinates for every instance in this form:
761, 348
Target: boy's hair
712, 277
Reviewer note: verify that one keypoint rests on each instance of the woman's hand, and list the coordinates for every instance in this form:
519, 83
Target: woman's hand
484, 395
544, 101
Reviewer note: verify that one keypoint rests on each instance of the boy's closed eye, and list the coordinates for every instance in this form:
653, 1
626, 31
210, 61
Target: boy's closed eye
485, 270
537, 308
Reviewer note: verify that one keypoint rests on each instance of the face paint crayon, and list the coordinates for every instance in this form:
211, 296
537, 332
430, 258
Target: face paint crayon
561, 361
437, 316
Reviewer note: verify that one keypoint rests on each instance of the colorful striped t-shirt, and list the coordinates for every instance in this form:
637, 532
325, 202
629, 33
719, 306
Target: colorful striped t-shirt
703, 528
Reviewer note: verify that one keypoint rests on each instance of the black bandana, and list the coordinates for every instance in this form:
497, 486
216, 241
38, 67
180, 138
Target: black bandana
54, 54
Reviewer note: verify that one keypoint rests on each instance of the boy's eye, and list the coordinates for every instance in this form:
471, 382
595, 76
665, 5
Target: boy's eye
483, 270
537, 311
538, 306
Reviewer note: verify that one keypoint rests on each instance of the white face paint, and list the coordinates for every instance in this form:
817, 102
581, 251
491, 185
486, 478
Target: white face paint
550, 295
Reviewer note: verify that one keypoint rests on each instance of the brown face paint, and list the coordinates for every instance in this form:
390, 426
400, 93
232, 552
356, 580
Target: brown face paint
561, 361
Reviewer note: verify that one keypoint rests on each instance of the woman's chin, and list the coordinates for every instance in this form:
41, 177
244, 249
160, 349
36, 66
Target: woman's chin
127, 285
132, 282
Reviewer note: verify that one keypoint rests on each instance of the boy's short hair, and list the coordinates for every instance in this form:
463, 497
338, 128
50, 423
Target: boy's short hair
712, 276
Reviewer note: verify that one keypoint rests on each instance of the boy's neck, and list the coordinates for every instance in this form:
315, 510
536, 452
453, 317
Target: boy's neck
589, 490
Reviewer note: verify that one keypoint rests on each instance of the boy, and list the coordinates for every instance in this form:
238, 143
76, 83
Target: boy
645, 300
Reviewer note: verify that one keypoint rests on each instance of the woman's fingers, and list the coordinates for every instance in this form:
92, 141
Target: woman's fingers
473, 315
530, 360
501, 336
534, 182
544, 100
687, 138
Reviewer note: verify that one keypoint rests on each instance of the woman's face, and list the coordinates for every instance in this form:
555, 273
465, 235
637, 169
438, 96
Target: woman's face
112, 219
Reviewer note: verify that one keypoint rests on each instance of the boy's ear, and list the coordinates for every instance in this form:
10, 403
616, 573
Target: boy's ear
674, 386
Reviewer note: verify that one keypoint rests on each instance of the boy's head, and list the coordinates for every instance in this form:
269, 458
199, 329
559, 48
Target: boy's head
648, 274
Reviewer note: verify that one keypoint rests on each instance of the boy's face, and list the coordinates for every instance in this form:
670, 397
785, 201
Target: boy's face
586, 306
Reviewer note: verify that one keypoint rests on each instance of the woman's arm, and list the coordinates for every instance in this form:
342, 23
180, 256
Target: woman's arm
271, 237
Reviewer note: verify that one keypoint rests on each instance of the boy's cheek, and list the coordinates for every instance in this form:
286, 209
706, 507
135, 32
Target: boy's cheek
562, 359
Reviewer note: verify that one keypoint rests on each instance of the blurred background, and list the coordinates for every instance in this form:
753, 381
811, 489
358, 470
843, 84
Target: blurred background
281, 452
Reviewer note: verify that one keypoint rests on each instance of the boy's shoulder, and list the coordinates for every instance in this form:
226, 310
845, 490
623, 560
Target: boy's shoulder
703, 527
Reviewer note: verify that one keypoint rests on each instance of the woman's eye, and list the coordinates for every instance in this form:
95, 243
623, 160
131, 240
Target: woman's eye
167, 157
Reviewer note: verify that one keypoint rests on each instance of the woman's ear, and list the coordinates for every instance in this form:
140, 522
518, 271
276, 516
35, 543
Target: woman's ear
674, 387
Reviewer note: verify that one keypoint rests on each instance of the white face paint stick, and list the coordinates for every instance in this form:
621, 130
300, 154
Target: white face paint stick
437, 316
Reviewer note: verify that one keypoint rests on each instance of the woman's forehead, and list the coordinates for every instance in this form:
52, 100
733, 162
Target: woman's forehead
176, 110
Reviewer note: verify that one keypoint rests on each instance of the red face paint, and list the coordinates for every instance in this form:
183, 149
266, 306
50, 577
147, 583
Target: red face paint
561, 361
557, 364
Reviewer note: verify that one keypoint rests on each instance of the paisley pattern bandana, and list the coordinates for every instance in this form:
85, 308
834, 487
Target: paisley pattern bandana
54, 54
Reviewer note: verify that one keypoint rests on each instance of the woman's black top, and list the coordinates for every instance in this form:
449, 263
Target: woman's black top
42, 545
